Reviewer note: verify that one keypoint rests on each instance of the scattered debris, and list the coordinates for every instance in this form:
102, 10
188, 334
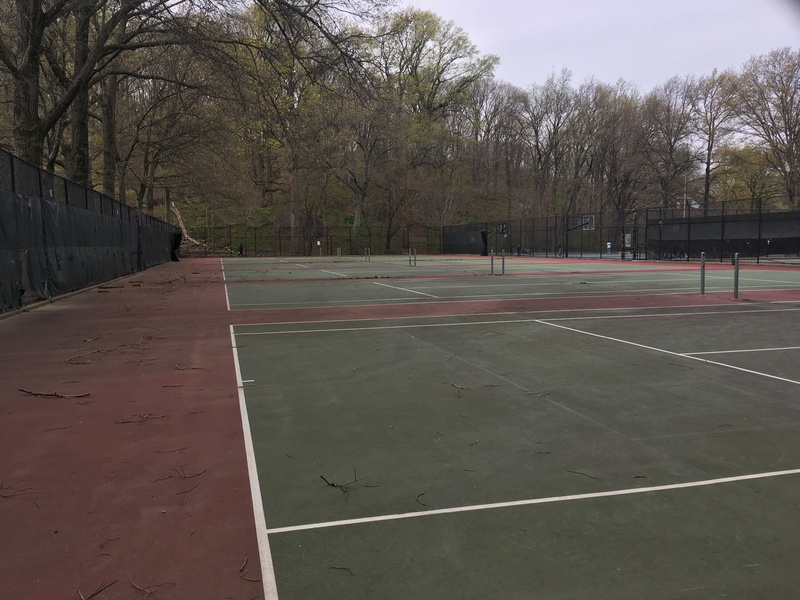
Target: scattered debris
99, 589
56, 428
141, 418
8, 491
103, 545
585, 475
180, 473
148, 589
171, 451
341, 569
344, 486
53, 394
420, 501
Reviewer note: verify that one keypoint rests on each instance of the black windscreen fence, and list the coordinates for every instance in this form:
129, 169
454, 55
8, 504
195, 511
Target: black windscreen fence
70, 239
655, 234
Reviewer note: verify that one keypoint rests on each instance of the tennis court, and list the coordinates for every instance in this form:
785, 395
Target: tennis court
571, 430
324, 427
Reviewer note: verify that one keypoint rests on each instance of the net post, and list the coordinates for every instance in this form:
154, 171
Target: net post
736, 276
409, 257
415, 257
491, 262
702, 273
503, 263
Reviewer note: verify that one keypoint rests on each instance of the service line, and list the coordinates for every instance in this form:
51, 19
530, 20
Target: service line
533, 501
394, 287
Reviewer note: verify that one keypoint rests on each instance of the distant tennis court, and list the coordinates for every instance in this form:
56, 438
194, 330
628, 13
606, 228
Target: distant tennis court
565, 430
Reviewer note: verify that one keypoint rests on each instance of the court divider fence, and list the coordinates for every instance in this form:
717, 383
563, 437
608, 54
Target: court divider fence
57, 236
311, 241
754, 229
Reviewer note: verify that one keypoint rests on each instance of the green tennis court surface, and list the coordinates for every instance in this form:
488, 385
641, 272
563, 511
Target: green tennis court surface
614, 453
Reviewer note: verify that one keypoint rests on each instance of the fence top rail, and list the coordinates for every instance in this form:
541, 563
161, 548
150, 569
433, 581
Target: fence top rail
17, 176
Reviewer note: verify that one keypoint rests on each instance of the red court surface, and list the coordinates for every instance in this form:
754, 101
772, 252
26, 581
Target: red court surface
129, 480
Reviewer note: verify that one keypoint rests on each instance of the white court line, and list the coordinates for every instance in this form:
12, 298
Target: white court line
733, 311
264, 553
405, 289
303, 266
222, 266
739, 351
533, 501
227, 298
333, 273
690, 357
385, 327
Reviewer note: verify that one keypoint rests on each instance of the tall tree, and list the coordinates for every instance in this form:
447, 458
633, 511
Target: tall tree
666, 139
767, 106
712, 112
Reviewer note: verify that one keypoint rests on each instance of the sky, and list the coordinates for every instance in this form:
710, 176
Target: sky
644, 42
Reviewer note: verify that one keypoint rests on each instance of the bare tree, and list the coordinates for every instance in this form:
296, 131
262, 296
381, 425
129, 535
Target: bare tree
766, 101
712, 111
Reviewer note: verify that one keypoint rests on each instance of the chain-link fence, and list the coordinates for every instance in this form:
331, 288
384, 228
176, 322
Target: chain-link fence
310, 241
57, 236
752, 228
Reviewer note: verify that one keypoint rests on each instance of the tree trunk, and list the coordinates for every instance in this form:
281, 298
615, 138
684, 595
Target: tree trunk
28, 129
110, 150
78, 161
356, 235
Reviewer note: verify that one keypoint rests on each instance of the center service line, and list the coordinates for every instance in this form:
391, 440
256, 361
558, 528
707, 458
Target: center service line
394, 287
689, 356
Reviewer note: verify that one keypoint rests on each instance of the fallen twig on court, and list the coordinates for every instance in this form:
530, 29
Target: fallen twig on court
344, 486
187, 491
71, 358
147, 588
341, 569
180, 473
585, 475
100, 588
458, 389
53, 394
246, 578
141, 418
244, 564
420, 501
8, 491
103, 545
171, 451
56, 428
180, 368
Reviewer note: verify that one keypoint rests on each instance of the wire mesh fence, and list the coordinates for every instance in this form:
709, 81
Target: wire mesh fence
311, 241
57, 236
752, 228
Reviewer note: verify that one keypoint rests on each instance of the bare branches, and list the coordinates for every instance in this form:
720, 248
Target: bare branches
99, 589
53, 394
140, 418
344, 487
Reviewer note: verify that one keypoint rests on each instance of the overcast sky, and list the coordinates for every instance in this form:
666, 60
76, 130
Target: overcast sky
644, 42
